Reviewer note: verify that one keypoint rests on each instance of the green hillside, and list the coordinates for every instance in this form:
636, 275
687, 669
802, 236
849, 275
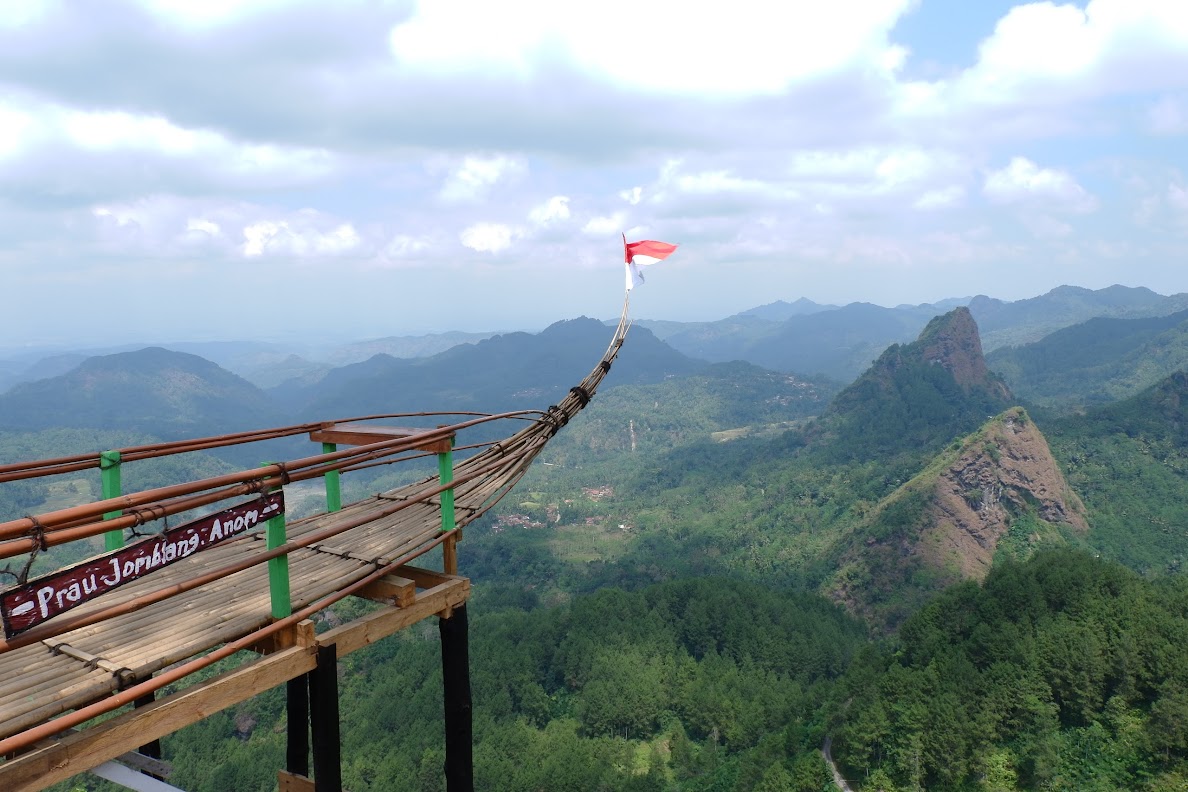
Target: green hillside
1096, 362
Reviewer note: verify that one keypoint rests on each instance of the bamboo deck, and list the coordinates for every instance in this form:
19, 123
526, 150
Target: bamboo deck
45, 679
379, 535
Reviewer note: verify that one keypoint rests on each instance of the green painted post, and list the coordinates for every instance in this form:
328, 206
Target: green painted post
333, 482
278, 568
445, 473
109, 475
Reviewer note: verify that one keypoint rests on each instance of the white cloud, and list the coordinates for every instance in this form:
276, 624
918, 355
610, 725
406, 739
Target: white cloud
874, 169
203, 226
1022, 181
601, 226
758, 47
208, 13
475, 176
1061, 51
1177, 197
25, 12
1169, 116
1046, 226
551, 211
632, 196
300, 239
403, 246
487, 237
14, 128
943, 198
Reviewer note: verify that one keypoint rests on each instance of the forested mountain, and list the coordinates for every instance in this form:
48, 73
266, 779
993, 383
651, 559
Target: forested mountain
1129, 462
507, 372
916, 397
1023, 321
840, 343
155, 391
1095, 362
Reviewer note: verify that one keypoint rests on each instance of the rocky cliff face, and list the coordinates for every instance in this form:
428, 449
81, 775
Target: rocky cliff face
917, 397
952, 341
1002, 473
1000, 488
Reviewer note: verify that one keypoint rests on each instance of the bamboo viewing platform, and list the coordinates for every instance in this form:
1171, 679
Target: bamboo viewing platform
125, 628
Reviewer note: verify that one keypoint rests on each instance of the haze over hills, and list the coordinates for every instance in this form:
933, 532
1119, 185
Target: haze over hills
840, 342
506, 372
799, 337
159, 392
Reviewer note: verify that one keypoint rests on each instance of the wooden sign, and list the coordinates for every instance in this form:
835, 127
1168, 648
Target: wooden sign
27, 606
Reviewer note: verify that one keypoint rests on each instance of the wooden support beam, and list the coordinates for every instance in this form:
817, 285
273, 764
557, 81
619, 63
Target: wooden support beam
449, 555
323, 721
374, 626
366, 434
300, 634
425, 578
391, 590
297, 728
289, 782
455, 674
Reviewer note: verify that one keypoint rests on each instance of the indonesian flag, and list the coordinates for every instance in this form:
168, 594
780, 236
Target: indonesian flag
643, 252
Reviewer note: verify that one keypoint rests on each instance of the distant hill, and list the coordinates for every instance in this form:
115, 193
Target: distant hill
780, 311
401, 346
506, 372
916, 396
839, 343
1097, 361
1000, 490
156, 391
1024, 321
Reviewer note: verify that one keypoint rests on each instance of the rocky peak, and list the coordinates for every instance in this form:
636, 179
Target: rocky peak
999, 489
952, 341
1001, 473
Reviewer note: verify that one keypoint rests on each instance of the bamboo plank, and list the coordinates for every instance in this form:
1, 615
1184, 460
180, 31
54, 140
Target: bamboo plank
80, 751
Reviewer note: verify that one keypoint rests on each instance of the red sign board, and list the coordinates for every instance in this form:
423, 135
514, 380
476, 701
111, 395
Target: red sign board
27, 606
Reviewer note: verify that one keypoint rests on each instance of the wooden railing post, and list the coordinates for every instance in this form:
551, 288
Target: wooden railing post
109, 477
445, 474
333, 482
278, 568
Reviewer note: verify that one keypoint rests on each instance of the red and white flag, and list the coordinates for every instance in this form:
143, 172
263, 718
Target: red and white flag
646, 251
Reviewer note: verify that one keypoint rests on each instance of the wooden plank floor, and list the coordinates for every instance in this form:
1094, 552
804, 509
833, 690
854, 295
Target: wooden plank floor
46, 679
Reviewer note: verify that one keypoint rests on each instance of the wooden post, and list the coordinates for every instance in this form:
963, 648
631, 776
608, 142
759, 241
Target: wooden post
151, 749
297, 735
455, 672
323, 718
445, 473
333, 480
278, 568
109, 480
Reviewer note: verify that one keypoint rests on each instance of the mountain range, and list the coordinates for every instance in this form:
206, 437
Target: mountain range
852, 485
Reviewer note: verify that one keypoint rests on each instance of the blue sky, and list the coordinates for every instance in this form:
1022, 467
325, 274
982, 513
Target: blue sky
175, 170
